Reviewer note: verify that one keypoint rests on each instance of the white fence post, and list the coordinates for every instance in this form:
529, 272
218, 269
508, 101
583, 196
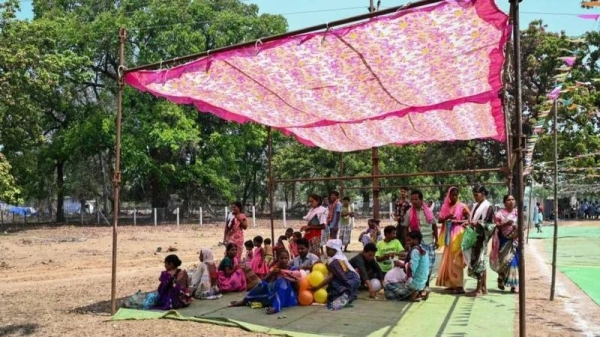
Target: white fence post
226, 213
134, 217
177, 216
284, 218
80, 211
253, 216
200, 216
391, 214
154, 216
98, 217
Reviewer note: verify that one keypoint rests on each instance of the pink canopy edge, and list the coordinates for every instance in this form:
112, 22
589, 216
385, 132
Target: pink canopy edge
304, 135
485, 9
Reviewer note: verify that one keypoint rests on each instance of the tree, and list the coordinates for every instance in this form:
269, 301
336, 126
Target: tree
9, 191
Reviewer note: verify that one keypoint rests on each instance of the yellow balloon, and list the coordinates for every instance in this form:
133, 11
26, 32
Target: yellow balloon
315, 278
320, 267
320, 296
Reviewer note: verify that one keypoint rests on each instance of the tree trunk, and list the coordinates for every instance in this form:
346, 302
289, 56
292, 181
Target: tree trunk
104, 185
366, 201
60, 192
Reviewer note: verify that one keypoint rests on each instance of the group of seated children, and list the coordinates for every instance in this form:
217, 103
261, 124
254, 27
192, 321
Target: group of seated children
271, 274
403, 273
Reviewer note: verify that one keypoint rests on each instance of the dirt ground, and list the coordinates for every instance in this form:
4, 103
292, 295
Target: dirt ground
56, 281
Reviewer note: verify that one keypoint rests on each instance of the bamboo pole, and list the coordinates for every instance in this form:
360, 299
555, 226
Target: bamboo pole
117, 174
396, 175
519, 162
555, 236
271, 183
422, 186
311, 29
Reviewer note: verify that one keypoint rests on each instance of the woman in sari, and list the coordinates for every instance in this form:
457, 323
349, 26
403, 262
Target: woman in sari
476, 237
234, 228
275, 292
231, 275
173, 291
204, 280
342, 280
453, 214
317, 218
504, 257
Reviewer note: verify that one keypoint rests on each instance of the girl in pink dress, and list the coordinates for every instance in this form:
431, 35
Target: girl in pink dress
259, 265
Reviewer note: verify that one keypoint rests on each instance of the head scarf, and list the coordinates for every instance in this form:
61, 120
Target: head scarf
449, 232
414, 218
337, 245
207, 256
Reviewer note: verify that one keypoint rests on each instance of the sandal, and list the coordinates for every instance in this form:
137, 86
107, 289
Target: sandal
500, 284
426, 296
514, 290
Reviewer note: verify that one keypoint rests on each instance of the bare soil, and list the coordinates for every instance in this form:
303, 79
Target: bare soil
56, 281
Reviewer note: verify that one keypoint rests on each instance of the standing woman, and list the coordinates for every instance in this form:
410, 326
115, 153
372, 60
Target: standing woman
317, 218
504, 257
476, 237
234, 228
453, 215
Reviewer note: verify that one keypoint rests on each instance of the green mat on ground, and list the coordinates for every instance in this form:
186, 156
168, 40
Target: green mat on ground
585, 278
577, 255
563, 232
131, 314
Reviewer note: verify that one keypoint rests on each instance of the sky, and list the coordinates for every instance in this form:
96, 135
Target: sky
557, 14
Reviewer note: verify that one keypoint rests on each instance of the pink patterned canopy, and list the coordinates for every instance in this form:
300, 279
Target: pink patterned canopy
427, 74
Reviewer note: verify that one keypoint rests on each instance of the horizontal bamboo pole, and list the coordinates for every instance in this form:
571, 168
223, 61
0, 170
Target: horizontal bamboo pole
396, 175
311, 29
422, 186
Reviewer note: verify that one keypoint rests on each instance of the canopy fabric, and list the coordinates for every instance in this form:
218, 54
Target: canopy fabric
390, 80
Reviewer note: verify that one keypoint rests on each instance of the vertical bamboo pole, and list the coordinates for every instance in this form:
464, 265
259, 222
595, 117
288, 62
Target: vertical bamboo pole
375, 170
555, 237
117, 173
519, 163
270, 183
375, 159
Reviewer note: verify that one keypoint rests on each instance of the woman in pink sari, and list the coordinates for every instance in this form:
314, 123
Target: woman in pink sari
452, 216
234, 228
504, 258
231, 275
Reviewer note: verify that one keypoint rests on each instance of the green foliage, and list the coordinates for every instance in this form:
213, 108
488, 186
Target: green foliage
9, 192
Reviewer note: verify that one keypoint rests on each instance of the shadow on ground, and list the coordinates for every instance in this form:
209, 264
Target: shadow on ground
19, 330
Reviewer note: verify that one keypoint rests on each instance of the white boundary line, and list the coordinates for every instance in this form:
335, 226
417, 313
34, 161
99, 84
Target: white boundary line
589, 329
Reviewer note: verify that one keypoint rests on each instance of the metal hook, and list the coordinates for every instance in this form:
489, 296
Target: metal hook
325, 34
256, 45
403, 6
120, 77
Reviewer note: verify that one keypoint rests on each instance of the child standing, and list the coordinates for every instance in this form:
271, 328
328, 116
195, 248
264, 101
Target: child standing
346, 223
280, 245
294, 243
269, 256
259, 266
248, 256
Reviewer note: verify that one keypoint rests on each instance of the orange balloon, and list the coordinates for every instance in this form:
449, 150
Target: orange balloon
303, 284
305, 297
